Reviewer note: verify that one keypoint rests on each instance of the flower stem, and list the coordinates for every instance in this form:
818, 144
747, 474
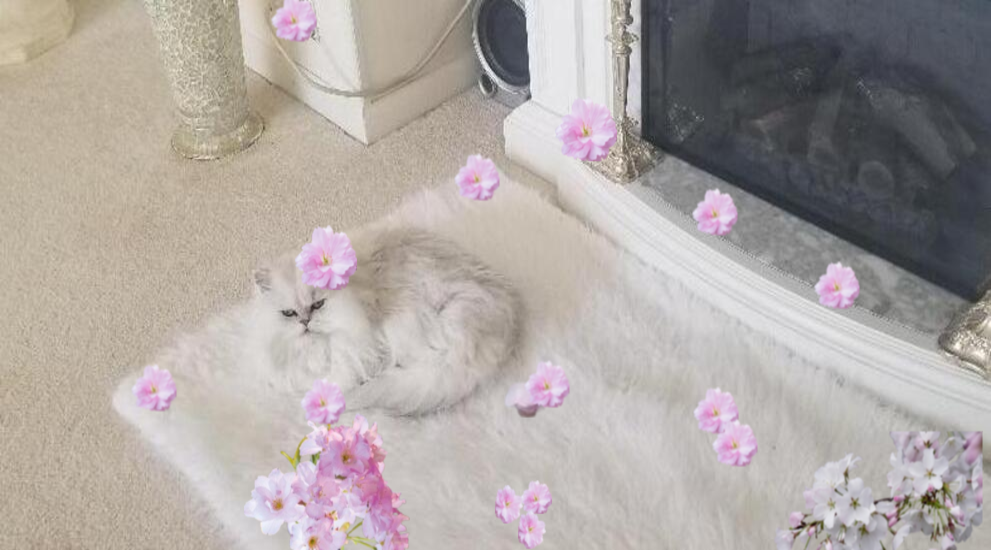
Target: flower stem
291, 461
355, 527
361, 541
298, 447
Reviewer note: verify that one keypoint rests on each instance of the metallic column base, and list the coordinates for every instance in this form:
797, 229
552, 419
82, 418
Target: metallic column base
627, 161
968, 337
205, 145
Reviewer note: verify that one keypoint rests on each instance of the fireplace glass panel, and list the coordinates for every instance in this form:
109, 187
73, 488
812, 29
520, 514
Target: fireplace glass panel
869, 118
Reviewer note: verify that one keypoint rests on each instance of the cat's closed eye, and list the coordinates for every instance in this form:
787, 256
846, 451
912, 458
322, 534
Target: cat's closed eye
289, 312
317, 305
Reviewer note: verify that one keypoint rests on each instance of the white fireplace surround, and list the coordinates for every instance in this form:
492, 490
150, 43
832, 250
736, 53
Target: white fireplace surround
570, 59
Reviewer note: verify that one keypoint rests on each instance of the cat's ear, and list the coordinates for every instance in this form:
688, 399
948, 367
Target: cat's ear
263, 279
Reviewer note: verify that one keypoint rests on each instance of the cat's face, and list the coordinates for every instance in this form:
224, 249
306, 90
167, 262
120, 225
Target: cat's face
296, 308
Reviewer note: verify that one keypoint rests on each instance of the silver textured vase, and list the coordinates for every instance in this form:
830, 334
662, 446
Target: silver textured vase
200, 44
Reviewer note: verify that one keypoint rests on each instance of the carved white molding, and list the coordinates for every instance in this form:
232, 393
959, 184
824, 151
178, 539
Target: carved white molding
569, 59
29, 28
569, 55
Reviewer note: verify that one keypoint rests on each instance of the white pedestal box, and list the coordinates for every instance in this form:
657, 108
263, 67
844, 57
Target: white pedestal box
29, 28
366, 44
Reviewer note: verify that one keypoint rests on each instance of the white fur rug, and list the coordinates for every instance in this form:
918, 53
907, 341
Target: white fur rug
624, 460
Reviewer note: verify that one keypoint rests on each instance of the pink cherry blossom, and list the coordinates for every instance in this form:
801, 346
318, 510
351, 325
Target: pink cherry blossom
927, 440
155, 390
531, 531
974, 447
927, 473
316, 534
537, 498
977, 481
371, 437
784, 539
478, 179
348, 453
549, 386
306, 478
588, 132
273, 502
324, 403
737, 445
715, 215
295, 20
839, 287
328, 261
520, 398
507, 506
315, 442
349, 504
398, 538
796, 519
379, 498
716, 411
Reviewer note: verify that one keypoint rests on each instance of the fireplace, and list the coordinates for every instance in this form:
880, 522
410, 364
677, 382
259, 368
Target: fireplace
570, 58
869, 118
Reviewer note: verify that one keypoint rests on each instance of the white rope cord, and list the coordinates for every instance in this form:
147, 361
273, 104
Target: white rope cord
323, 86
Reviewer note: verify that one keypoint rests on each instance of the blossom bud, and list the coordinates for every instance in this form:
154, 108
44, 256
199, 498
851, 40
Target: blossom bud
795, 519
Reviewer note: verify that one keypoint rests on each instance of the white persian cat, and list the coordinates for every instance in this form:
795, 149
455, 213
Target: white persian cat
419, 326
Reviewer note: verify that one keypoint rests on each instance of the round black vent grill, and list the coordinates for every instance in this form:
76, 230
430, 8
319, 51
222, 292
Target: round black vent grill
500, 40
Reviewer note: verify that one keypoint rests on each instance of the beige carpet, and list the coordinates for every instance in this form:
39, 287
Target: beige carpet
110, 243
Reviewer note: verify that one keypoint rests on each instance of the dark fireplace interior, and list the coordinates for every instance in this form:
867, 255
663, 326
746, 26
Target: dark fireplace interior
870, 118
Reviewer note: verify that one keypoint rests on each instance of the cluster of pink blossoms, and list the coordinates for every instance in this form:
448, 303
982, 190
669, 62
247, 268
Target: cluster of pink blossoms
337, 487
936, 489
736, 444
546, 388
535, 500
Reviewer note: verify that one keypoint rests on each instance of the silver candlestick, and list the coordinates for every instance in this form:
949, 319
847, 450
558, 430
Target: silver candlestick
630, 156
969, 337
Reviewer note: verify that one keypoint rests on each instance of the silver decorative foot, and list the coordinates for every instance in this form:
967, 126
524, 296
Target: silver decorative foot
200, 42
630, 157
969, 337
